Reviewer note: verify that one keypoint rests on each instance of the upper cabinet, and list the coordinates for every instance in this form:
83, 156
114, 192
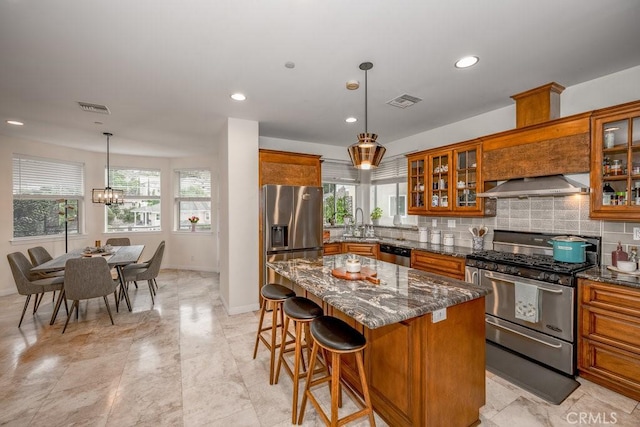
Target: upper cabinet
445, 181
615, 167
284, 168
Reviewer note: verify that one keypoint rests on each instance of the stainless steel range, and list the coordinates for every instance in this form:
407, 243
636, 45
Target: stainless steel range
532, 310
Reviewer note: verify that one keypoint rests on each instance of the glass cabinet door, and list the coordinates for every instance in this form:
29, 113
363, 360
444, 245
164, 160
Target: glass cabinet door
439, 185
417, 183
620, 161
466, 178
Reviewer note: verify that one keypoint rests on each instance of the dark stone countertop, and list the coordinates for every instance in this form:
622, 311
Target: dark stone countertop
403, 293
598, 274
455, 251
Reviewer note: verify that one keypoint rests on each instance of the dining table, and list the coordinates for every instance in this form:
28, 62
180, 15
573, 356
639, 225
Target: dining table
117, 257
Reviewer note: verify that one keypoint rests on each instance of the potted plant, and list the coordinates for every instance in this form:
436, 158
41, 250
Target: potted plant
193, 220
376, 214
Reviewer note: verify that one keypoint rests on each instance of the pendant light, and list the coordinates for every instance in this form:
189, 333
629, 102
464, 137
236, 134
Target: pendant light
366, 153
107, 196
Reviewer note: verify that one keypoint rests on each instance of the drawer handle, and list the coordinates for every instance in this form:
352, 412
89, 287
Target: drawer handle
523, 335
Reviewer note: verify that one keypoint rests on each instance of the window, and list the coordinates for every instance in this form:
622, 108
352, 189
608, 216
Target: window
340, 185
41, 190
141, 208
389, 191
193, 198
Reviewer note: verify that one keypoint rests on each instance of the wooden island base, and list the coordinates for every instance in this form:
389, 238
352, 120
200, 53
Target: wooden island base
422, 373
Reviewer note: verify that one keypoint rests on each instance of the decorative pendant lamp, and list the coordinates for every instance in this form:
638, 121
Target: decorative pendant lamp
107, 196
366, 153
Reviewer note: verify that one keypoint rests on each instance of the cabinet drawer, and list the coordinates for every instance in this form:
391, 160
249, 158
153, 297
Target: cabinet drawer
610, 367
364, 249
437, 263
619, 330
332, 248
616, 298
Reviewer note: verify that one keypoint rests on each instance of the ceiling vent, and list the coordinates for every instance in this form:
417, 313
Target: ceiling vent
404, 101
94, 108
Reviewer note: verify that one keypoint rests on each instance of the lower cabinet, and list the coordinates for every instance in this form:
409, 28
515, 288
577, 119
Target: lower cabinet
422, 373
364, 249
609, 336
332, 248
445, 265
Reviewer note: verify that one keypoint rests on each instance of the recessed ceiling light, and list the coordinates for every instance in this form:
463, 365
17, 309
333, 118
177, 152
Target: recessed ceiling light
467, 61
15, 123
351, 120
290, 64
238, 97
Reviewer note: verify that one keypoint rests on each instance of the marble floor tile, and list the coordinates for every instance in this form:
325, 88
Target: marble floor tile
184, 362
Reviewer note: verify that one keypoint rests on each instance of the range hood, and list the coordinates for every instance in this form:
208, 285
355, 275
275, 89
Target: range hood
552, 185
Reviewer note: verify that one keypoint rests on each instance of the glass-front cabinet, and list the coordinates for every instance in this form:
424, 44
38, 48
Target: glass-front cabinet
615, 169
444, 181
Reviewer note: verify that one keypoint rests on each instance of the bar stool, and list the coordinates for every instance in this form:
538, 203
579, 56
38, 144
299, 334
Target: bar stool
276, 295
301, 311
337, 337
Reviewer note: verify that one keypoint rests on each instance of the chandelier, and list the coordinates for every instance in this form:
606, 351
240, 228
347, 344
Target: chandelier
366, 153
107, 196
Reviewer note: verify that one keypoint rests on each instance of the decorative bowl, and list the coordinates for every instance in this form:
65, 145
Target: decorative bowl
353, 265
627, 266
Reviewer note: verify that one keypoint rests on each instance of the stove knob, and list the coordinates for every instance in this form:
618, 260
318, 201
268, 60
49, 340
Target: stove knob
542, 276
554, 278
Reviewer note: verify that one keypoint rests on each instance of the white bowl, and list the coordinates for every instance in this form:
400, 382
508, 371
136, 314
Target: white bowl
627, 266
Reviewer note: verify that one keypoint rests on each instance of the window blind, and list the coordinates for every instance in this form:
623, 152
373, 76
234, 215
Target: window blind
393, 170
193, 184
339, 172
49, 178
143, 183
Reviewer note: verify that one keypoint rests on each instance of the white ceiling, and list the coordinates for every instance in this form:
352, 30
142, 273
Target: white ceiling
166, 68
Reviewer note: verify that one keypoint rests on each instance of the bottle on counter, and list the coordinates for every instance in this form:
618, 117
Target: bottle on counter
618, 255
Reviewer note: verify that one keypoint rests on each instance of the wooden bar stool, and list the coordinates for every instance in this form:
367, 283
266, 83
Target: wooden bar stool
272, 294
337, 337
301, 311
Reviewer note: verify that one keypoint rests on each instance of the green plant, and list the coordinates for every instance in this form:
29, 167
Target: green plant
376, 213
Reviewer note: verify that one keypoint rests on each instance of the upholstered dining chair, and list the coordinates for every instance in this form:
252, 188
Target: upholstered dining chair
146, 271
118, 241
87, 278
29, 284
40, 255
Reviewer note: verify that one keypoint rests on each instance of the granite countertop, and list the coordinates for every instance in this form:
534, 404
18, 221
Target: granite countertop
402, 294
598, 274
456, 251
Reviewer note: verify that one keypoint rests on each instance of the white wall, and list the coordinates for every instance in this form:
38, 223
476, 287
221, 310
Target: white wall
239, 205
181, 246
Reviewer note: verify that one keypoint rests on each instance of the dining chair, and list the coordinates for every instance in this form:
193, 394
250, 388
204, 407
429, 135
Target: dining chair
29, 284
118, 241
40, 255
87, 278
146, 271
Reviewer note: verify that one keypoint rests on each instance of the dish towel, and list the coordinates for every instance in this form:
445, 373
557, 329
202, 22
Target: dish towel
527, 302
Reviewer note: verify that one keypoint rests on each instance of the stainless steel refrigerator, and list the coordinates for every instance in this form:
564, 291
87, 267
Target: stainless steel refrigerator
292, 224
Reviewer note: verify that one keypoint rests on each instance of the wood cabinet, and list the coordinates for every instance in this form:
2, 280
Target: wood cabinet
445, 265
370, 250
609, 336
332, 248
615, 166
422, 373
445, 181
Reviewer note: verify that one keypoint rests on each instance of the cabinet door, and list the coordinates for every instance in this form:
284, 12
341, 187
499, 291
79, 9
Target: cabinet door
332, 248
416, 184
364, 249
466, 179
615, 171
439, 194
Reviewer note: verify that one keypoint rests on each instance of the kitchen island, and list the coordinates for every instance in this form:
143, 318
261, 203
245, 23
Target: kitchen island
425, 359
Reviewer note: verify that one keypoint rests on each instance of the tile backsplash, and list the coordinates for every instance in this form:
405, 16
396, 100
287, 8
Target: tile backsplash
560, 215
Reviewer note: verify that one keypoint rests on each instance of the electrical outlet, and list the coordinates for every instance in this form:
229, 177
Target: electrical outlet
434, 222
636, 233
439, 315
451, 223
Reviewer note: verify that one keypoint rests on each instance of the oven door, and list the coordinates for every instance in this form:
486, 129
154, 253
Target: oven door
556, 304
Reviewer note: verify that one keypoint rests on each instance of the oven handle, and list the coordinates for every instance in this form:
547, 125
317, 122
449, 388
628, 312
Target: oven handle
521, 334
490, 275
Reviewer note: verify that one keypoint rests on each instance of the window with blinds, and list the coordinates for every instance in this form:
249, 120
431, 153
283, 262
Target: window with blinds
393, 170
340, 182
389, 191
42, 189
141, 208
193, 200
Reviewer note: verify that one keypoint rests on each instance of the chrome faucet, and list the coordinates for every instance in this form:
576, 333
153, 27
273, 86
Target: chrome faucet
358, 227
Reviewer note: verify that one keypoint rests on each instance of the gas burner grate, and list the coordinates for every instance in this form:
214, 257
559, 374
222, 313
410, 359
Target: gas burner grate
537, 261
